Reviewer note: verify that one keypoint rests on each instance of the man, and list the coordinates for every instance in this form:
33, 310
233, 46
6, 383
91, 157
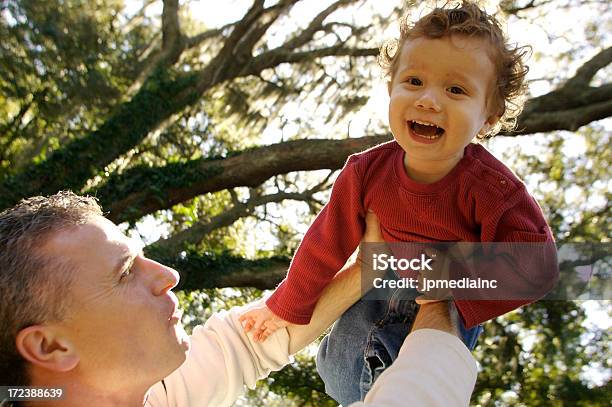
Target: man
85, 310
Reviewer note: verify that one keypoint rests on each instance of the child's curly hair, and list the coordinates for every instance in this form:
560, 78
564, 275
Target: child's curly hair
466, 18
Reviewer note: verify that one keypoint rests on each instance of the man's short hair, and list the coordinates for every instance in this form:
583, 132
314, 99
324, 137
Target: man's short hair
34, 287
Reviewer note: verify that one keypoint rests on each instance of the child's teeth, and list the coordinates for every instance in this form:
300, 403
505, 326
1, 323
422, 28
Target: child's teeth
425, 136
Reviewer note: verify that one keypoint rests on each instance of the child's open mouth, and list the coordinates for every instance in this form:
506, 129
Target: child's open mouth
424, 130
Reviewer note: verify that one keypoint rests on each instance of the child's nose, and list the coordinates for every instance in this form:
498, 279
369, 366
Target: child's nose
428, 101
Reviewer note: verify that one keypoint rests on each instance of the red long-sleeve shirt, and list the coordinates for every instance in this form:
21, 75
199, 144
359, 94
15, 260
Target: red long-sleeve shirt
480, 200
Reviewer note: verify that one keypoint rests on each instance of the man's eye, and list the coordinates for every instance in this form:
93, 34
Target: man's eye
126, 273
456, 90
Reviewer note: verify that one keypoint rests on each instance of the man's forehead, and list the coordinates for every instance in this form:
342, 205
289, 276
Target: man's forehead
114, 235
98, 236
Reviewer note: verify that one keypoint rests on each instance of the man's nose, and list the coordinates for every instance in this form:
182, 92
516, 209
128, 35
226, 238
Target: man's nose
162, 278
428, 100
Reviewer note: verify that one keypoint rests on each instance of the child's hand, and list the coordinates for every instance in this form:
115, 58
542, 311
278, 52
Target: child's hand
262, 322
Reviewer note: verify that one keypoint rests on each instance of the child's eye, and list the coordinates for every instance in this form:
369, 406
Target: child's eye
456, 90
414, 81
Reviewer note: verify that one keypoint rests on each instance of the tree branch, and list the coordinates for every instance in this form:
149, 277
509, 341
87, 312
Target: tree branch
239, 31
12, 130
162, 95
263, 277
256, 31
137, 18
201, 270
193, 235
173, 44
216, 70
145, 190
507, 8
231, 60
280, 55
563, 119
314, 26
171, 32
586, 72
80, 160
571, 106
196, 40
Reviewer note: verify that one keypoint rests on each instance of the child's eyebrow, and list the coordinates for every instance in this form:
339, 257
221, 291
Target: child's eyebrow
409, 67
462, 77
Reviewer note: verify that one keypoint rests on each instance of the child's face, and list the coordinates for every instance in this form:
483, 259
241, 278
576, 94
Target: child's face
444, 82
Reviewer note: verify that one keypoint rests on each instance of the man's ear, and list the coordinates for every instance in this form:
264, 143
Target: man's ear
42, 346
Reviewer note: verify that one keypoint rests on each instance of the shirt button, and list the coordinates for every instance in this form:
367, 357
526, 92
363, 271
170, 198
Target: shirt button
502, 181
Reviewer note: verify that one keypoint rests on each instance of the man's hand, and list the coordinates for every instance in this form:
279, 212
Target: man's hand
435, 315
372, 243
441, 272
372, 231
373, 236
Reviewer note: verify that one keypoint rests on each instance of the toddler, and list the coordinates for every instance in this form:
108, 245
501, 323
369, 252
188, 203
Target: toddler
452, 78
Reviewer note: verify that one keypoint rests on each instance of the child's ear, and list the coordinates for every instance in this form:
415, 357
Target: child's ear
488, 124
389, 86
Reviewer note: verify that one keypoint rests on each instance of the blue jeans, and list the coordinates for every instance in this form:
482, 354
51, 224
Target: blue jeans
366, 340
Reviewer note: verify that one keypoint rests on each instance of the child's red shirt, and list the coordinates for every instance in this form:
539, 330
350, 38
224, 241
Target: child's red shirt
480, 200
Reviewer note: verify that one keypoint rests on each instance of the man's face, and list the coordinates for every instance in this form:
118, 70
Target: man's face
442, 82
123, 322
